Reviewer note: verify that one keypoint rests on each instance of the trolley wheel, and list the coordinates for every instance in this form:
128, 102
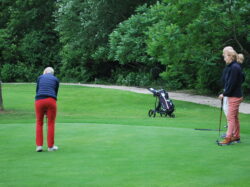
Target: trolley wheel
172, 115
150, 112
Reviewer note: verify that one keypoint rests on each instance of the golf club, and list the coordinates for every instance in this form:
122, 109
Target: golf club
221, 107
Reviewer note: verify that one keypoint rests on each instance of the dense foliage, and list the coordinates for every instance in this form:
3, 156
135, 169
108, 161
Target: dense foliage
174, 44
84, 27
27, 39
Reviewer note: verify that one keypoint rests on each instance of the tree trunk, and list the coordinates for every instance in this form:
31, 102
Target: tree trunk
1, 98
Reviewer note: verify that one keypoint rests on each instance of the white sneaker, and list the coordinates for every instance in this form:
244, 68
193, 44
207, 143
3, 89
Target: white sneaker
39, 149
54, 148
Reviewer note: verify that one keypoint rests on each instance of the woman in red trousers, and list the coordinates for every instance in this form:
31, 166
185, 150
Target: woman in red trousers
232, 89
45, 105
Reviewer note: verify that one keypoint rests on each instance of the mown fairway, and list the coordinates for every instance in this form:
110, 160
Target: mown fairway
105, 138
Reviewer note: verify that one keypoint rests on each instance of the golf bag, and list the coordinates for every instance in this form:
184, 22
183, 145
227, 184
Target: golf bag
163, 105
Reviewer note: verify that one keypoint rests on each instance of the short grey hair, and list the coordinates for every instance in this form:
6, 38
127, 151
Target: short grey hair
48, 70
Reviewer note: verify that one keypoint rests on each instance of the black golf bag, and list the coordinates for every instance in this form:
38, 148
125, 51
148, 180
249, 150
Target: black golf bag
163, 105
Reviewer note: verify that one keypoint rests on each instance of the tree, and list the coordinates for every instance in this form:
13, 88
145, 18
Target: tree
127, 47
84, 27
28, 41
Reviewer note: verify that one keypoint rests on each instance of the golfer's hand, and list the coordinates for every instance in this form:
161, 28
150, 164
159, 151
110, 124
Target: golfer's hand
221, 96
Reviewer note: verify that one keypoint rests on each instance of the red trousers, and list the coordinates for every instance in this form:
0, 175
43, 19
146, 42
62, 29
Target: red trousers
45, 107
233, 122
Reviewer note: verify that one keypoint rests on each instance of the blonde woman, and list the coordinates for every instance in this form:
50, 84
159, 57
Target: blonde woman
232, 89
225, 99
45, 104
240, 59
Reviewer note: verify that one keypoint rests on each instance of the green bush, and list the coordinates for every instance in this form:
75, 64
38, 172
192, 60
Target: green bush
132, 79
18, 73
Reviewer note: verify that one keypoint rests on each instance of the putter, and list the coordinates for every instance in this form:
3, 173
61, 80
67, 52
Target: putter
217, 141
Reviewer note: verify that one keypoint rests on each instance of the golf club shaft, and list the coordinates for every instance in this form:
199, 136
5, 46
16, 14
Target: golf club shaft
221, 108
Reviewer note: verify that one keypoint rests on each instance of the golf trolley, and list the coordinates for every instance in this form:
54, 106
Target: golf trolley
163, 105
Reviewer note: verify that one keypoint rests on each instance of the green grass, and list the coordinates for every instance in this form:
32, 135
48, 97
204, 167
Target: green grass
106, 139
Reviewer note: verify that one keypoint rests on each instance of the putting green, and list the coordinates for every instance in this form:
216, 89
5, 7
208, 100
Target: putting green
121, 155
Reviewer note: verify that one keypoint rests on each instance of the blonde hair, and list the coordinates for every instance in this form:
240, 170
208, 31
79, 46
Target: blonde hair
48, 70
227, 48
232, 54
240, 58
